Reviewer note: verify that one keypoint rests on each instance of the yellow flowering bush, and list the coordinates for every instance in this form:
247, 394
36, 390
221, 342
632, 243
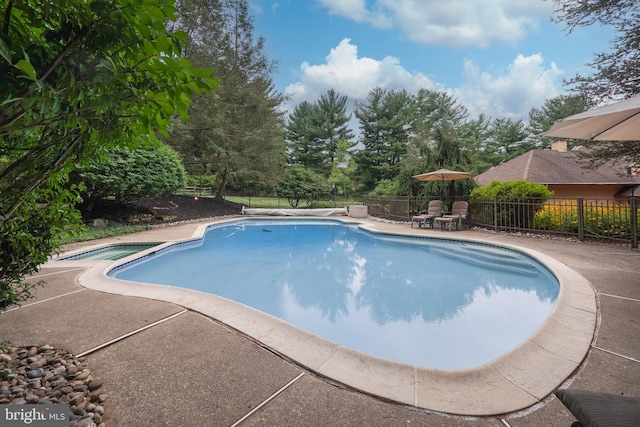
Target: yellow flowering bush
602, 219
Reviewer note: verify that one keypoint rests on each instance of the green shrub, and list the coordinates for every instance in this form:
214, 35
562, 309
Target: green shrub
129, 175
301, 184
201, 181
30, 234
516, 202
386, 187
511, 191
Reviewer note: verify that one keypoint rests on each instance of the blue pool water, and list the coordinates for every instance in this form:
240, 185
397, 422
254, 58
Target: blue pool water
429, 302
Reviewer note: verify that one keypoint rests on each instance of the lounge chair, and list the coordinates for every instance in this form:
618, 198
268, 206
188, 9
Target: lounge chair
600, 409
433, 210
459, 212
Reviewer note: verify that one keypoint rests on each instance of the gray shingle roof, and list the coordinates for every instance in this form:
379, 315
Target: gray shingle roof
556, 167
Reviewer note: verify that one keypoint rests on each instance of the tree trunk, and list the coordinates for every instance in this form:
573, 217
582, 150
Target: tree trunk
223, 184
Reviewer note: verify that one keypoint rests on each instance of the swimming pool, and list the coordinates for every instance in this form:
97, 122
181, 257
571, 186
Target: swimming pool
516, 380
428, 302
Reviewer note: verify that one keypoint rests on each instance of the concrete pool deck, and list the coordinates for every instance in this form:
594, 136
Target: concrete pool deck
169, 364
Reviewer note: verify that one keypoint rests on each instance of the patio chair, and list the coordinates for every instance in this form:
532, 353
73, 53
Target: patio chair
600, 409
459, 212
433, 210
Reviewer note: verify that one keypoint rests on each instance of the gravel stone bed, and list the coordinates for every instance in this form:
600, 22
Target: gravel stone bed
45, 375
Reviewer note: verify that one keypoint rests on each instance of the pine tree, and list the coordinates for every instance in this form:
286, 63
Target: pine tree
541, 119
237, 132
507, 139
314, 131
304, 145
334, 122
385, 122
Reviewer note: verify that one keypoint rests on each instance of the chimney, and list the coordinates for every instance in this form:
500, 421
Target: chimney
560, 146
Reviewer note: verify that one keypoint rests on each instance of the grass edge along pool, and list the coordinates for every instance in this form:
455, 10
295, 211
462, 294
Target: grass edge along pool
419, 332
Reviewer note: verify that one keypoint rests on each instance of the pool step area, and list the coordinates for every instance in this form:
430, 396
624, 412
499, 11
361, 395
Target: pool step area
111, 253
479, 256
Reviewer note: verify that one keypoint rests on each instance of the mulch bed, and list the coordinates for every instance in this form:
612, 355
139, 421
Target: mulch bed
167, 209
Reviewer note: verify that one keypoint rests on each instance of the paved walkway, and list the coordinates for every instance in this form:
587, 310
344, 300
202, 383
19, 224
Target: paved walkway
163, 365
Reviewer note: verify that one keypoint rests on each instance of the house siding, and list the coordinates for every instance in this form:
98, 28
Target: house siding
586, 191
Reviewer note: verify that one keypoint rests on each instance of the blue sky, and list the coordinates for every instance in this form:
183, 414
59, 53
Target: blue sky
497, 57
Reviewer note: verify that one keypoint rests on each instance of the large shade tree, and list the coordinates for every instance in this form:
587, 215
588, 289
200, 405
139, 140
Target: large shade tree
77, 77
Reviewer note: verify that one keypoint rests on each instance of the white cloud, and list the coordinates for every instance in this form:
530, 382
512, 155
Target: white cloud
255, 7
511, 93
350, 9
357, 11
462, 23
353, 76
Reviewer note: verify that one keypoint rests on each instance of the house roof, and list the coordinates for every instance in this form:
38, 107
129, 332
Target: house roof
556, 167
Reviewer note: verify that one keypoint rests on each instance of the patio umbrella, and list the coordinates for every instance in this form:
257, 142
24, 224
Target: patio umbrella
614, 122
442, 175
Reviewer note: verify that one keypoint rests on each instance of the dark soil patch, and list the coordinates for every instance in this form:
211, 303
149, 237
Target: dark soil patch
167, 209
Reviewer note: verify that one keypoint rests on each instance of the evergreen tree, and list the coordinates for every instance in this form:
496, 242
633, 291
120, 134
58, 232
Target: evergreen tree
237, 132
334, 122
474, 134
434, 108
303, 137
314, 131
556, 108
541, 119
385, 122
506, 139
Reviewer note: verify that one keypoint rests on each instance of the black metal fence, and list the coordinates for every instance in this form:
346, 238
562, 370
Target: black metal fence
270, 201
605, 220
401, 208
